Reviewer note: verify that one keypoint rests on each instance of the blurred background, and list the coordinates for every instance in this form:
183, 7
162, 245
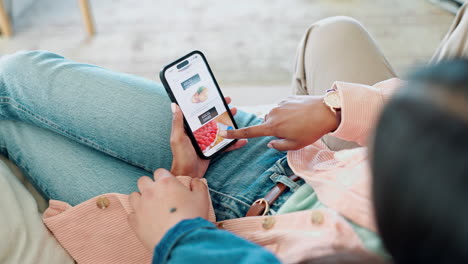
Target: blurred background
250, 44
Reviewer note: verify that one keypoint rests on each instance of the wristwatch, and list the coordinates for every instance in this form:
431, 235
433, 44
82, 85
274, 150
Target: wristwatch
332, 100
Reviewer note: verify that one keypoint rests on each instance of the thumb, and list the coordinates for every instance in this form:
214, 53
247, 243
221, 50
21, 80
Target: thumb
283, 145
177, 123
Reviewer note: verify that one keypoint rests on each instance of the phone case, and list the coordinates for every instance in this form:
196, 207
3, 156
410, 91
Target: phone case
173, 99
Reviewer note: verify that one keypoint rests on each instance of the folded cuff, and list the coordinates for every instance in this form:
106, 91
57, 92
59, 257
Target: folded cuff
361, 105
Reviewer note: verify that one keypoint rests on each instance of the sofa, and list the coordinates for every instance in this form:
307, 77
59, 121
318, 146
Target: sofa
25, 239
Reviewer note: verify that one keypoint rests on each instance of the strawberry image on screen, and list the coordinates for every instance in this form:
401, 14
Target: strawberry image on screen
206, 135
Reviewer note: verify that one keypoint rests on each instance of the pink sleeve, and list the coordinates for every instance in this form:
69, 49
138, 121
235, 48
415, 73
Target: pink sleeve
361, 107
92, 234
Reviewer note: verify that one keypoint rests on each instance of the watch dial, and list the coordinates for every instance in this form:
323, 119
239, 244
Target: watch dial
333, 100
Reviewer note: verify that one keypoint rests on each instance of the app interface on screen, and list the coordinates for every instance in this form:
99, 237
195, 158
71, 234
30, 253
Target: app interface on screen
201, 103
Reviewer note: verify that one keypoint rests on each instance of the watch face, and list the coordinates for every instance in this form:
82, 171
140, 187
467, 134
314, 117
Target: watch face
332, 99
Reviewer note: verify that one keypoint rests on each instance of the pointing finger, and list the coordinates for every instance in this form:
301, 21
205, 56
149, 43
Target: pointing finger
247, 132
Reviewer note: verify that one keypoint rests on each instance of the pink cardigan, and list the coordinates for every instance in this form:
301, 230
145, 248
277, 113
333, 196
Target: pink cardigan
341, 180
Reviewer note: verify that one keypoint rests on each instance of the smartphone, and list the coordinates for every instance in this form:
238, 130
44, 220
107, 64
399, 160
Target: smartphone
190, 83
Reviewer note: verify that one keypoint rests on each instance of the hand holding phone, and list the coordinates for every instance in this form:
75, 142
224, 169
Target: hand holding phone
185, 160
190, 83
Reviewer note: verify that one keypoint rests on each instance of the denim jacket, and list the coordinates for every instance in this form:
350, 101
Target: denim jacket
199, 241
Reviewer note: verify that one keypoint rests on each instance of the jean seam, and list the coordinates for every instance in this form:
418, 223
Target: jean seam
66, 133
274, 174
230, 197
233, 210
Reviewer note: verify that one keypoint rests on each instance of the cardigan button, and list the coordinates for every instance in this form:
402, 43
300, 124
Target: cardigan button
102, 202
317, 218
268, 222
220, 225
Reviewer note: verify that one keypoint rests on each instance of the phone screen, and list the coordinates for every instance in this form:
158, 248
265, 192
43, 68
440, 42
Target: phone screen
201, 102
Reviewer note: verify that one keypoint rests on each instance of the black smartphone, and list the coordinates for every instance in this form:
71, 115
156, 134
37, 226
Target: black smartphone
190, 83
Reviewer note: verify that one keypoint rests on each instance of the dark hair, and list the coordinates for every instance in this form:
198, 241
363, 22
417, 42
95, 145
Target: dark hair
419, 161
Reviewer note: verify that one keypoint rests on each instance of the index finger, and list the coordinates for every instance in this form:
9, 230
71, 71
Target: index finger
247, 132
134, 198
144, 182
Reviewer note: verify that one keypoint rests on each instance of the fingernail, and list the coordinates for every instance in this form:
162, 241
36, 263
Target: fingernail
173, 107
223, 133
270, 145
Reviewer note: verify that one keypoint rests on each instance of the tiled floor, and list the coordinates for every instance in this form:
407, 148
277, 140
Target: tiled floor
250, 44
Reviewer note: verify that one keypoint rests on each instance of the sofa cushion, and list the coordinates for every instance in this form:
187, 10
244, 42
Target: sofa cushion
28, 240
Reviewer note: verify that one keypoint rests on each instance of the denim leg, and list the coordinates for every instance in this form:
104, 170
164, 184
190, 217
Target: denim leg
124, 116
63, 169
120, 116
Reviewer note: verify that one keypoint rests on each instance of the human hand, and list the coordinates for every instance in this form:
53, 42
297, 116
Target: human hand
163, 203
185, 160
297, 121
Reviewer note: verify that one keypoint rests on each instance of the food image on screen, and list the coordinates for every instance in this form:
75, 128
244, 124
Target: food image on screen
206, 135
200, 95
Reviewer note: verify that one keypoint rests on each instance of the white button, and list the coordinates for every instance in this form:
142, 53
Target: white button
268, 222
317, 218
102, 202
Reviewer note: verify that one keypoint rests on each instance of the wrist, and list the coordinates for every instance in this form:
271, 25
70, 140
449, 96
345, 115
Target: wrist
177, 171
184, 170
332, 100
332, 118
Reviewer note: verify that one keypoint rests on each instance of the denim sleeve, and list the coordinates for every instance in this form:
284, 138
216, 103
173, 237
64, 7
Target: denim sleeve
199, 241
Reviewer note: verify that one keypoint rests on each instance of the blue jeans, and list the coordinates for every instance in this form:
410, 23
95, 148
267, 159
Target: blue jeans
78, 131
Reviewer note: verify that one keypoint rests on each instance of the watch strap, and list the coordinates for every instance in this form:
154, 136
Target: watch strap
337, 111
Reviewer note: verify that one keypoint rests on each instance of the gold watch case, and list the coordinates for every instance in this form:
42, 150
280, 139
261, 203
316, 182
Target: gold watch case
332, 100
